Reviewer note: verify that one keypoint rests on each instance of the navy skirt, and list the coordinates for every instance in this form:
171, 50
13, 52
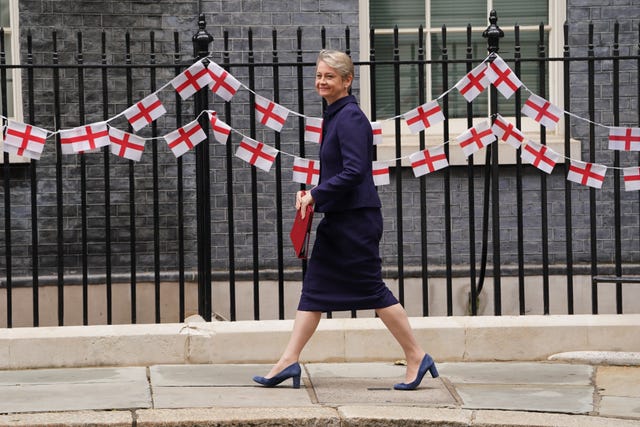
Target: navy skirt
345, 271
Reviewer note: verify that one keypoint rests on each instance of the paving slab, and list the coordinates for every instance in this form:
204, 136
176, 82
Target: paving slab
551, 398
208, 375
73, 389
516, 373
376, 391
617, 406
233, 397
356, 370
618, 381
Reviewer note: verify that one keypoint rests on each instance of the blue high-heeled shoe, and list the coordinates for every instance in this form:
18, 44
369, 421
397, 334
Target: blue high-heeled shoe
427, 364
291, 371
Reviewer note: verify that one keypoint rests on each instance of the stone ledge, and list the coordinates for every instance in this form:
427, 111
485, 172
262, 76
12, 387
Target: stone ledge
504, 338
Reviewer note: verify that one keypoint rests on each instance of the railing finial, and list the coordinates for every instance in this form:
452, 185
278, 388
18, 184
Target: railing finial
202, 39
493, 33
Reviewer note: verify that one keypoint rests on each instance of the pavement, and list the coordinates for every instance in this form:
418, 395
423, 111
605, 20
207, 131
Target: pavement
562, 392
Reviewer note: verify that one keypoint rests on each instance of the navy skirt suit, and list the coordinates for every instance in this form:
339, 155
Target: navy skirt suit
344, 271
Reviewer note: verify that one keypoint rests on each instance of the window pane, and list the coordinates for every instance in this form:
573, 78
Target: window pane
457, 49
529, 12
529, 70
404, 14
7, 47
4, 13
384, 82
459, 13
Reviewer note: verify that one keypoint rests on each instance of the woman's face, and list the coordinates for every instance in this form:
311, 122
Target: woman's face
329, 84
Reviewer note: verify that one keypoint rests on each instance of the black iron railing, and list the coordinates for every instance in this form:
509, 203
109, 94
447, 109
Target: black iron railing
96, 219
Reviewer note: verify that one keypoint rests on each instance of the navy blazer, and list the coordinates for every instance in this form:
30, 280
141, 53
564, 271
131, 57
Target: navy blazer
346, 153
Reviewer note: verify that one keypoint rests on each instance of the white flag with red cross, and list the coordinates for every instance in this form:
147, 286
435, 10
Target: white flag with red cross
540, 156
313, 129
424, 116
631, 178
625, 139
125, 144
502, 77
24, 140
376, 129
472, 85
542, 111
84, 138
380, 172
428, 160
257, 153
306, 171
185, 138
221, 130
223, 84
589, 174
191, 80
476, 138
507, 132
270, 114
144, 112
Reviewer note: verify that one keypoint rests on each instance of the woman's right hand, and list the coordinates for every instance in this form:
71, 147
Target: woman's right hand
303, 199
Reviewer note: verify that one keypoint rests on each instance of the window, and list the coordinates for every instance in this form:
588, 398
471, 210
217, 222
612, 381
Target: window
9, 23
408, 15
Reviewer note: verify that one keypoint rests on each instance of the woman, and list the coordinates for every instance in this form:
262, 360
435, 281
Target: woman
344, 270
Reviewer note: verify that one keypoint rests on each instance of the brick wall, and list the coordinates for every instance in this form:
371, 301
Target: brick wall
235, 17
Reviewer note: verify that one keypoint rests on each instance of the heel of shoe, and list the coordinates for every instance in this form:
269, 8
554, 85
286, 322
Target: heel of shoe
433, 371
296, 381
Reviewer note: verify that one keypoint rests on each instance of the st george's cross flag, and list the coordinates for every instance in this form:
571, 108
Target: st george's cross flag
221, 130
625, 139
376, 128
84, 138
144, 112
127, 145
540, 156
428, 160
631, 178
424, 116
542, 111
270, 114
24, 140
476, 138
191, 80
256, 153
223, 84
185, 138
472, 85
589, 174
502, 77
380, 172
313, 129
306, 171
507, 132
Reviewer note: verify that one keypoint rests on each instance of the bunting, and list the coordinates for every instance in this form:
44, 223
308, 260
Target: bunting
29, 141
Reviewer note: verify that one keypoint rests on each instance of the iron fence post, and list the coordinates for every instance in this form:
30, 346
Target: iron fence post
201, 41
493, 33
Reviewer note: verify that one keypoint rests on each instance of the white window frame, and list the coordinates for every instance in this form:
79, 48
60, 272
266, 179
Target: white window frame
434, 135
14, 39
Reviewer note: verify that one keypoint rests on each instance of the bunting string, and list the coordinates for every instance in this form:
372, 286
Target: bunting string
28, 141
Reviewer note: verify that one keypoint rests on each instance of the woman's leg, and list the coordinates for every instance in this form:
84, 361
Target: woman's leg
304, 326
396, 320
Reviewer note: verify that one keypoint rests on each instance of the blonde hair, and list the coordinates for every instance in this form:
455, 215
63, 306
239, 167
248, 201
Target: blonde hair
339, 61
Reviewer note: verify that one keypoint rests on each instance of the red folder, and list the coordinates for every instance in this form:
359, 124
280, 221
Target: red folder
301, 232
